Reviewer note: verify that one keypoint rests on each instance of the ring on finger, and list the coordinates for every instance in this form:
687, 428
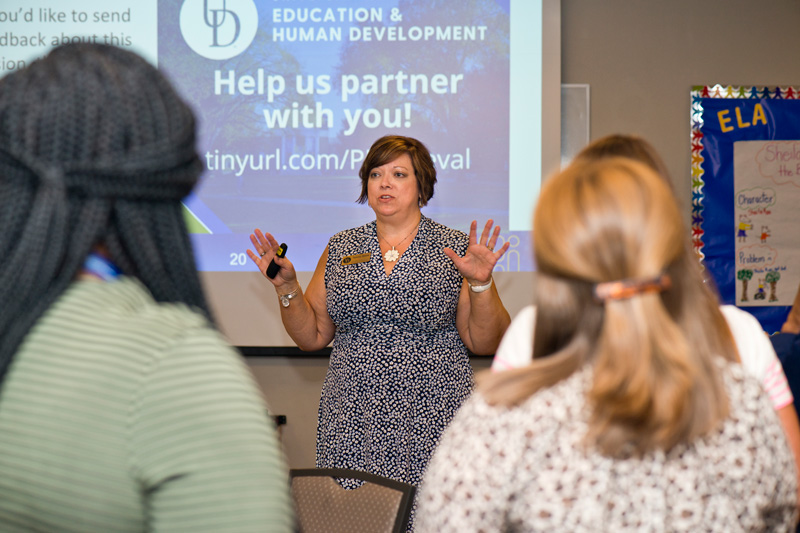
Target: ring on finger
263, 253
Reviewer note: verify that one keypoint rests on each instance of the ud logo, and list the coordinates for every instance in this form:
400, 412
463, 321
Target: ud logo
218, 29
215, 18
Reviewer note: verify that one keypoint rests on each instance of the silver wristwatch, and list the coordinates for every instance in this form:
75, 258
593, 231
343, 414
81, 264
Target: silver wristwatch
284, 298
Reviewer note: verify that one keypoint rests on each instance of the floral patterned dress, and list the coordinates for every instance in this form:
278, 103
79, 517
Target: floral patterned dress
398, 370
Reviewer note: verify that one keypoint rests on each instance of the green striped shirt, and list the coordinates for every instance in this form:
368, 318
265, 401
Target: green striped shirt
120, 414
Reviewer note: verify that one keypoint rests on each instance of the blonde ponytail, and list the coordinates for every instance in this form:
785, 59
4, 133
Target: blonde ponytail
644, 380
654, 347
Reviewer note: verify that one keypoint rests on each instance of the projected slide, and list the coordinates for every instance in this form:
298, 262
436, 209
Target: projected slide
291, 94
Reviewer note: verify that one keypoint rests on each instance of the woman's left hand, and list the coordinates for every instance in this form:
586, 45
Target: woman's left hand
481, 257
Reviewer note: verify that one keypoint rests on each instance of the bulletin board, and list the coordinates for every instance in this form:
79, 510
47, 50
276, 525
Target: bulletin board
746, 195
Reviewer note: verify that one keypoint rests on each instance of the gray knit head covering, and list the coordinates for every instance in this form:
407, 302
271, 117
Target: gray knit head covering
95, 148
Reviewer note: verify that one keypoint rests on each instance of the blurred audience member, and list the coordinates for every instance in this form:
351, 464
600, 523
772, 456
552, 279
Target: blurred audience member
121, 406
634, 414
755, 351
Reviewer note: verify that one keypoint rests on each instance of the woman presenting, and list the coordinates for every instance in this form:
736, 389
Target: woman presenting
404, 299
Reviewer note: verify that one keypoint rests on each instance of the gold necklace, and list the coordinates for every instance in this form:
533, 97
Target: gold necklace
393, 254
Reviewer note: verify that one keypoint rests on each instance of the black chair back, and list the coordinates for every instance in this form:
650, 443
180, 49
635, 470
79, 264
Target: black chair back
322, 505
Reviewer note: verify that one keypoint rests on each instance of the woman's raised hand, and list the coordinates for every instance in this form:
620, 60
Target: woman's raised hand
481, 257
266, 250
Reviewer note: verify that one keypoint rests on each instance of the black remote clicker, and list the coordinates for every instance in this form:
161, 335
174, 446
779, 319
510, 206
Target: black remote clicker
273, 268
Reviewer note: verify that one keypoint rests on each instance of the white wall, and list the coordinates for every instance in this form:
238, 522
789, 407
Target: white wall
292, 387
641, 59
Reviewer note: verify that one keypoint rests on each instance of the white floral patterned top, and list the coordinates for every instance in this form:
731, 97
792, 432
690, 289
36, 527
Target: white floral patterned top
526, 469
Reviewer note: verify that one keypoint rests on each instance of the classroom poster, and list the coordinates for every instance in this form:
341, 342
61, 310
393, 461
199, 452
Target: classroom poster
746, 195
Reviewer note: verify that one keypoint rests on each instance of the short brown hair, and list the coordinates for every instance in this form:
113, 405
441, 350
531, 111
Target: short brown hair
390, 147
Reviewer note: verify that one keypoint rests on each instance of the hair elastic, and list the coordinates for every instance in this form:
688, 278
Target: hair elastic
627, 288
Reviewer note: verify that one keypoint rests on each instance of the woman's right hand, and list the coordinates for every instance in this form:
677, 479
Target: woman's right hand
306, 318
266, 251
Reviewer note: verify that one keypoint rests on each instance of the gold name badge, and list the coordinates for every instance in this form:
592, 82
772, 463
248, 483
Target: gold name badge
358, 258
